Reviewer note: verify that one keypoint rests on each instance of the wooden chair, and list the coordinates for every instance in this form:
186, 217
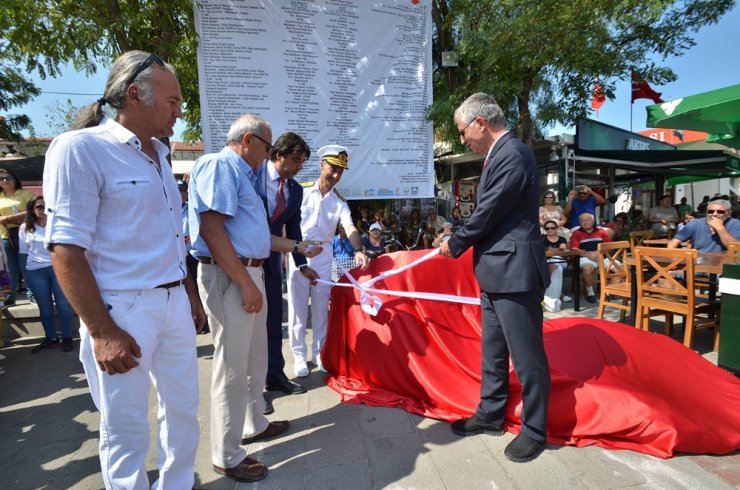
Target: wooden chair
614, 276
733, 248
653, 298
637, 237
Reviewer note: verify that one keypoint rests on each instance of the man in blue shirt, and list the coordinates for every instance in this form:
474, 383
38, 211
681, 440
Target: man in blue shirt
713, 233
231, 237
585, 201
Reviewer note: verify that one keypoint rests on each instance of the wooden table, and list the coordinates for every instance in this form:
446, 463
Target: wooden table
571, 257
710, 263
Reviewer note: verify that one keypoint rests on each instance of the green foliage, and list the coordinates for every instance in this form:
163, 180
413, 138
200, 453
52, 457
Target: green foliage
46, 34
541, 59
15, 90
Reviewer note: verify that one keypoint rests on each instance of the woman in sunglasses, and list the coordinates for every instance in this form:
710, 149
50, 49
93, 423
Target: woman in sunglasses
556, 264
549, 210
13, 201
40, 277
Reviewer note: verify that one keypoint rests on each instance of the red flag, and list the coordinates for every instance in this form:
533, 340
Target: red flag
642, 90
598, 98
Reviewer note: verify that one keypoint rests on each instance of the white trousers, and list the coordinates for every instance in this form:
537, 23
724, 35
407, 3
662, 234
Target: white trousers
161, 322
299, 290
556, 284
239, 363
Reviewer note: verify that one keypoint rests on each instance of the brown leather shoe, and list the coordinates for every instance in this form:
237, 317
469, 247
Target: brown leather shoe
273, 429
248, 470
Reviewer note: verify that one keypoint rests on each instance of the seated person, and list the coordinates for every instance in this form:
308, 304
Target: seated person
443, 235
617, 228
557, 265
433, 227
587, 238
456, 218
363, 224
713, 233
374, 243
663, 217
690, 216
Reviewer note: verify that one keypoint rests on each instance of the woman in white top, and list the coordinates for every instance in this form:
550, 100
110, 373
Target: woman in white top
40, 277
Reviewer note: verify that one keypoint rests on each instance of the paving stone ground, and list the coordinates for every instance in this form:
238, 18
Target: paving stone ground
49, 434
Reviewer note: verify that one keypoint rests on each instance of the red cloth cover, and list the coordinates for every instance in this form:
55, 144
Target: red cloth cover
612, 385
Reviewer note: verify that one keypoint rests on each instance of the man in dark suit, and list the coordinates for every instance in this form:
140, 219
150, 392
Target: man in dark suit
511, 269
284, 213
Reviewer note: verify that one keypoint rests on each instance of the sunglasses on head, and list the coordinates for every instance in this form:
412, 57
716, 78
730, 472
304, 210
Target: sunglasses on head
152, 58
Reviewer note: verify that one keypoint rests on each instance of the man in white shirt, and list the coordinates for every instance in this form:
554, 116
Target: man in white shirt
321, 211
116, 241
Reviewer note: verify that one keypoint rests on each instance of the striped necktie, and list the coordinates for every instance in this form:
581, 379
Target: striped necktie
279, 200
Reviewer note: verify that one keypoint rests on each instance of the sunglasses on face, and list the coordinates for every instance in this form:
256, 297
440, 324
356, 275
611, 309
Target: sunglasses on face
583, 193
715, 211
6, 179
550, 228
549, 197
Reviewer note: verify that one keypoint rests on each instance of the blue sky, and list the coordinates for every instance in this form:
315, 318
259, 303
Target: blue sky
712, 63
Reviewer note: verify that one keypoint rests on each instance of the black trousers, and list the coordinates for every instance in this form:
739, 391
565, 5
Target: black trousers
512, 326
274, 293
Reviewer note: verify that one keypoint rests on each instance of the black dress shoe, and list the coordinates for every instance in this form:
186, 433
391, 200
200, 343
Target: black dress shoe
280, 382
523, 448
591, 298
268, 407
473, 426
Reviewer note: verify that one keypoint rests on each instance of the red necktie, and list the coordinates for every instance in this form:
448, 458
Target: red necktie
279, 201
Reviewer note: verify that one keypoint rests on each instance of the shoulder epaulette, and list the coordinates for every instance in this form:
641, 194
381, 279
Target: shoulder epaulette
339, 195
307, 184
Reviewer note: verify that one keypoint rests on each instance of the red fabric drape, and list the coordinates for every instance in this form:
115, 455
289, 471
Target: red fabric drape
612, 385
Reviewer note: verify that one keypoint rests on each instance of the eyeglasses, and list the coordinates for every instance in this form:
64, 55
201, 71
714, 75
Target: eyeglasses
39, 207
551, 228
267, 144
462, 131
6, 179
715, 211
152, 58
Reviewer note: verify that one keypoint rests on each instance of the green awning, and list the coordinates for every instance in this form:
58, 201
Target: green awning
716, 112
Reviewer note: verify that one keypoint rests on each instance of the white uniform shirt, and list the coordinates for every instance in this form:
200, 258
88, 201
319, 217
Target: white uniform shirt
320, 215
105, 195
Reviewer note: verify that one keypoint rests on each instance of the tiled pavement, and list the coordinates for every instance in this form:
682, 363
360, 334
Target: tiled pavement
48, 429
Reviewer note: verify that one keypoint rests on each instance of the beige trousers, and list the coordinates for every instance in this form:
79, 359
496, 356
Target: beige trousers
239, 363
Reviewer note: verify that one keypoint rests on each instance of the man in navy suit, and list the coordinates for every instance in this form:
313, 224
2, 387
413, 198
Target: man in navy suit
286, 160
511, 269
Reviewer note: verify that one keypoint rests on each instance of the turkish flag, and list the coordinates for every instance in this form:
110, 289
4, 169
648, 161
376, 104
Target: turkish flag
642, 90
598, 98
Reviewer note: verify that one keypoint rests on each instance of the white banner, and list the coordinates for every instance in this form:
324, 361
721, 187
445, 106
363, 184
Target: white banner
350, 72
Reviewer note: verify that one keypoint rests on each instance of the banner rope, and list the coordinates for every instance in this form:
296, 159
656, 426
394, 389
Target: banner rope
371, 304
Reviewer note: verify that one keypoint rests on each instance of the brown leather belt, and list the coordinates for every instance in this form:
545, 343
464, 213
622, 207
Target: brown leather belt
170, 285
245, 262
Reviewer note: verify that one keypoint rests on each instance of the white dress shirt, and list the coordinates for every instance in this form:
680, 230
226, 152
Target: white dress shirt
106, 196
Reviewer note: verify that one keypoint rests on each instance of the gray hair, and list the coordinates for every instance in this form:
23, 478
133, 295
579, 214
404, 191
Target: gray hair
481, 105
247, 123
722, 202
117, 85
